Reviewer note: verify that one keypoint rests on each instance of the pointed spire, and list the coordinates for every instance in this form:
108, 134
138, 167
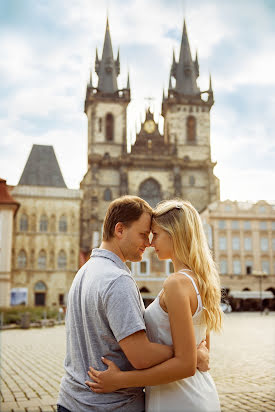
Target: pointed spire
128, 82
170, 82
210, 84
186, 72
163, 94
196, 64
107, 69
91, 79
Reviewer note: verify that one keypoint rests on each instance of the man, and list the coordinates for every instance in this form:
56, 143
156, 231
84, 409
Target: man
105, 314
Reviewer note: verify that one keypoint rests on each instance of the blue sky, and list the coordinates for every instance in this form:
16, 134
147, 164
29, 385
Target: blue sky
48, 48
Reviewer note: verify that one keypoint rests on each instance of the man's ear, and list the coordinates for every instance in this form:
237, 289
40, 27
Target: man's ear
119, 230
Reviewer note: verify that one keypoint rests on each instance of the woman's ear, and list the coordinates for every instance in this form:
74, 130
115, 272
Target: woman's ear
119, 229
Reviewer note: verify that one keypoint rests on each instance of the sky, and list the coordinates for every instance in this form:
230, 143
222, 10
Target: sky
48, 49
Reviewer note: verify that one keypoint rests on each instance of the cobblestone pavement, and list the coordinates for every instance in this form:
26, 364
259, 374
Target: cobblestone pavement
242, 364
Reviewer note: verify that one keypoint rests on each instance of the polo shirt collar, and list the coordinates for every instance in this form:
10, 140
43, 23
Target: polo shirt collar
107, 254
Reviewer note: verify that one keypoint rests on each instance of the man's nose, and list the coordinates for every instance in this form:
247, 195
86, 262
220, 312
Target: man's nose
147, 243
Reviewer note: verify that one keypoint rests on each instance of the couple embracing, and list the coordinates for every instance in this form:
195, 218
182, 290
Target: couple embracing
115, 347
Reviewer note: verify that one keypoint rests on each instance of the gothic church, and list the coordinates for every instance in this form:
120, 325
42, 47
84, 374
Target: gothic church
175, 164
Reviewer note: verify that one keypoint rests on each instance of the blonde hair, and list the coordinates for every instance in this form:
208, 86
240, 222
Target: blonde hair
181, 220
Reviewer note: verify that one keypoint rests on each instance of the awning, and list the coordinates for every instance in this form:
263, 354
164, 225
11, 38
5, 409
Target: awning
249, 294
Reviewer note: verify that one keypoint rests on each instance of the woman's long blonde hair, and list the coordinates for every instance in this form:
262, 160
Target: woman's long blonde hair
181, 220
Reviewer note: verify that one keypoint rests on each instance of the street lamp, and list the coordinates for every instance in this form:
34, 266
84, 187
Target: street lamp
260, 276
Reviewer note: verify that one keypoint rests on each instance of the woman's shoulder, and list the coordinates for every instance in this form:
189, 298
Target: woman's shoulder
176, 280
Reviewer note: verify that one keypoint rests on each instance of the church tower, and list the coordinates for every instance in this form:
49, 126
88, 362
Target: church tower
106, 110
187, 127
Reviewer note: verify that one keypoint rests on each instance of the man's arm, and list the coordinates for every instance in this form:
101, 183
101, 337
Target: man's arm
142, 353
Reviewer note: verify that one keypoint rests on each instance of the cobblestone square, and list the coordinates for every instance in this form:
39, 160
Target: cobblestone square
242, 365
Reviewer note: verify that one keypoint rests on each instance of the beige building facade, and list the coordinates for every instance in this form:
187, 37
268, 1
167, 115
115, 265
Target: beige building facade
242, 237
45, 253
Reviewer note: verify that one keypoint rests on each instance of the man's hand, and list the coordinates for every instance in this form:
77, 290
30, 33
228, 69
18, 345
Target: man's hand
202, 357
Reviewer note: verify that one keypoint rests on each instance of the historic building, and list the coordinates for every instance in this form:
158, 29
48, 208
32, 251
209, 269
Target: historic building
177, 163
242, 236
8, 209
45, 254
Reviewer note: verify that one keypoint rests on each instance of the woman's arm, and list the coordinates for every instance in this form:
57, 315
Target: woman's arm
178, 291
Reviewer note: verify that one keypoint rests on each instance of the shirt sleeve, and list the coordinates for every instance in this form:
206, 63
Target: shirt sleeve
123, 308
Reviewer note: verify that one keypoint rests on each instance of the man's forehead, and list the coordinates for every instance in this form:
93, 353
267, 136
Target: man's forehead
144, 222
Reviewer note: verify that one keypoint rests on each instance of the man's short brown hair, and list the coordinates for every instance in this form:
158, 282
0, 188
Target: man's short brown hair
125, 209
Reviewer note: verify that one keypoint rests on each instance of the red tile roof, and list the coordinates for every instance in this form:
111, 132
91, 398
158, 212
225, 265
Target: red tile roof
5, 197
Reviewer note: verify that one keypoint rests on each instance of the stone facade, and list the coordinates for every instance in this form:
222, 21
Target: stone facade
8, 210
46, 242
242, 236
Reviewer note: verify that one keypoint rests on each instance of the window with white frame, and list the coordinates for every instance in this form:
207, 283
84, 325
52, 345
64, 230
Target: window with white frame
247, 243
222, 243
169, 267
247, 225
263, 225
236, 267
235, 224
143, 267
223, 266
264, 244
22, 259
265, 266
222, 224
236, 243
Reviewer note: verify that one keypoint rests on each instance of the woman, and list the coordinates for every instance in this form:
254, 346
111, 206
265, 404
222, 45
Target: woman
182, 315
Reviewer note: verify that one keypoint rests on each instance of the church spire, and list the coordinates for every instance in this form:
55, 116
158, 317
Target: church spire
107, 68
186, 71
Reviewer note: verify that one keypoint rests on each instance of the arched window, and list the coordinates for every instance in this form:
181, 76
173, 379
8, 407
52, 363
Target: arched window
42, 259
22, 259
109, 127
63, 224
24, 223
150, 191
40, 290
62, 260
43, 224
191, 129
40, 287
107, 195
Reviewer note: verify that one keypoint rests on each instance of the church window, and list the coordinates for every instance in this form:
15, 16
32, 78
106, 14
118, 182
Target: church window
191, 129
22, 259
109, 127
42, 259
100, 124
150, 191
43, 224
62, 260
107, 195
191, 180
63, 224
24, 223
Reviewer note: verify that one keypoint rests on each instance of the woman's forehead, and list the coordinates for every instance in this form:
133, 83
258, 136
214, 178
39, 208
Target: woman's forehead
154, 225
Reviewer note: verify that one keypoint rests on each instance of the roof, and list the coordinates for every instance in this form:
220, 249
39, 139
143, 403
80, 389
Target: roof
5, 197
248, 294
42, 168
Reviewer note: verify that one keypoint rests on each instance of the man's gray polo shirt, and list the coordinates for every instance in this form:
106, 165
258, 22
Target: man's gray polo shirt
104, 307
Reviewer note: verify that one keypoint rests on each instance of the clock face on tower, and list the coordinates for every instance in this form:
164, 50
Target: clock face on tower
149, 126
